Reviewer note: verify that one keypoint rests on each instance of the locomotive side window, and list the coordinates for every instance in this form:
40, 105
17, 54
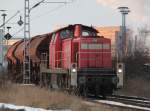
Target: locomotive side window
53, 36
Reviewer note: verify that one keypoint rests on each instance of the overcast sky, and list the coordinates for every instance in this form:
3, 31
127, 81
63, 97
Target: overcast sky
46, 17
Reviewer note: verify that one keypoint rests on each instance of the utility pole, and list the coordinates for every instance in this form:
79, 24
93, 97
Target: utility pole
9, 18
1, 55
124, 11
4, 18
2, 39
26, 62
3, 44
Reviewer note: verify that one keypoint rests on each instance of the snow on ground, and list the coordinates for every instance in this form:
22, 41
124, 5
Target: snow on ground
122, 104
15, 107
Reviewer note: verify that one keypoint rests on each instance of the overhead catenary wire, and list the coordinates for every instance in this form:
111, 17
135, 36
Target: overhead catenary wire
37, 4
46, 13
55, 2
20, 30
37, 17
53, 10
10, 18
19, 11
43, 1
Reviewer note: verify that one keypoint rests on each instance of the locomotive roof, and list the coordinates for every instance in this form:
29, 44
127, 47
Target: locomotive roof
72, 27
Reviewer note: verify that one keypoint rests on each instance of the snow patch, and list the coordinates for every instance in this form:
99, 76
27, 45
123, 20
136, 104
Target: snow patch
122, 104
15, 107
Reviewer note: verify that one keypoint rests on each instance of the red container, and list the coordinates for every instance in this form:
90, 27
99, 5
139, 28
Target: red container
10, 52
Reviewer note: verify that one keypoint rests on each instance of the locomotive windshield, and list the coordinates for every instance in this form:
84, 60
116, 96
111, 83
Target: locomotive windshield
88, 33
66, 34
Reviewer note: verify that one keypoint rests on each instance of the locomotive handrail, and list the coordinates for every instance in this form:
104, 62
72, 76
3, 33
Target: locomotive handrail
61, 59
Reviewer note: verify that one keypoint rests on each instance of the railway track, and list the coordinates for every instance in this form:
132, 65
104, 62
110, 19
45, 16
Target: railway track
131, 100
125, 101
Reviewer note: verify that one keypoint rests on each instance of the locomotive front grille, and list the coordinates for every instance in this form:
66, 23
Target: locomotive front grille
96, 71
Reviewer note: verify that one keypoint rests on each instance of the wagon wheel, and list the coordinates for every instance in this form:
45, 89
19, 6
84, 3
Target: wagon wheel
77, 91
85, 91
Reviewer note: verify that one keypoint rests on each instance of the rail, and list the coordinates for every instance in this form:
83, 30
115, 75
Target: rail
133, 102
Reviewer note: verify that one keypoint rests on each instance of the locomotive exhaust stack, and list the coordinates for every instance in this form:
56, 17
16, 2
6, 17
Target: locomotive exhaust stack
77, 32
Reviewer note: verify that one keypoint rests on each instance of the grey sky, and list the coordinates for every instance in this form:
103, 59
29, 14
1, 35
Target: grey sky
47, 16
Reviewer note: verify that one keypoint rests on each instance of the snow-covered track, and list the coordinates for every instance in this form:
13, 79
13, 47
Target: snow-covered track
131, 100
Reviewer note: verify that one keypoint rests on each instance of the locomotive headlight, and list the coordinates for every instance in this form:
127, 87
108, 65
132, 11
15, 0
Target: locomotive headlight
120, 70
74, 70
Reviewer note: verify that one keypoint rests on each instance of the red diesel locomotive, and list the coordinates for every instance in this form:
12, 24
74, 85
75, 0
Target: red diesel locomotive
81, 60
74, 58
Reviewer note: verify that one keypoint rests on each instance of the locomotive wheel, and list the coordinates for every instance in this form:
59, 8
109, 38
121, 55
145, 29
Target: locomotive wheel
96, 93
75, 91
100, 91
83, 90
103, 96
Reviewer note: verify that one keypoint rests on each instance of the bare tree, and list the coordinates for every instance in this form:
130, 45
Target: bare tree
129, 43
138, 44
142, 41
